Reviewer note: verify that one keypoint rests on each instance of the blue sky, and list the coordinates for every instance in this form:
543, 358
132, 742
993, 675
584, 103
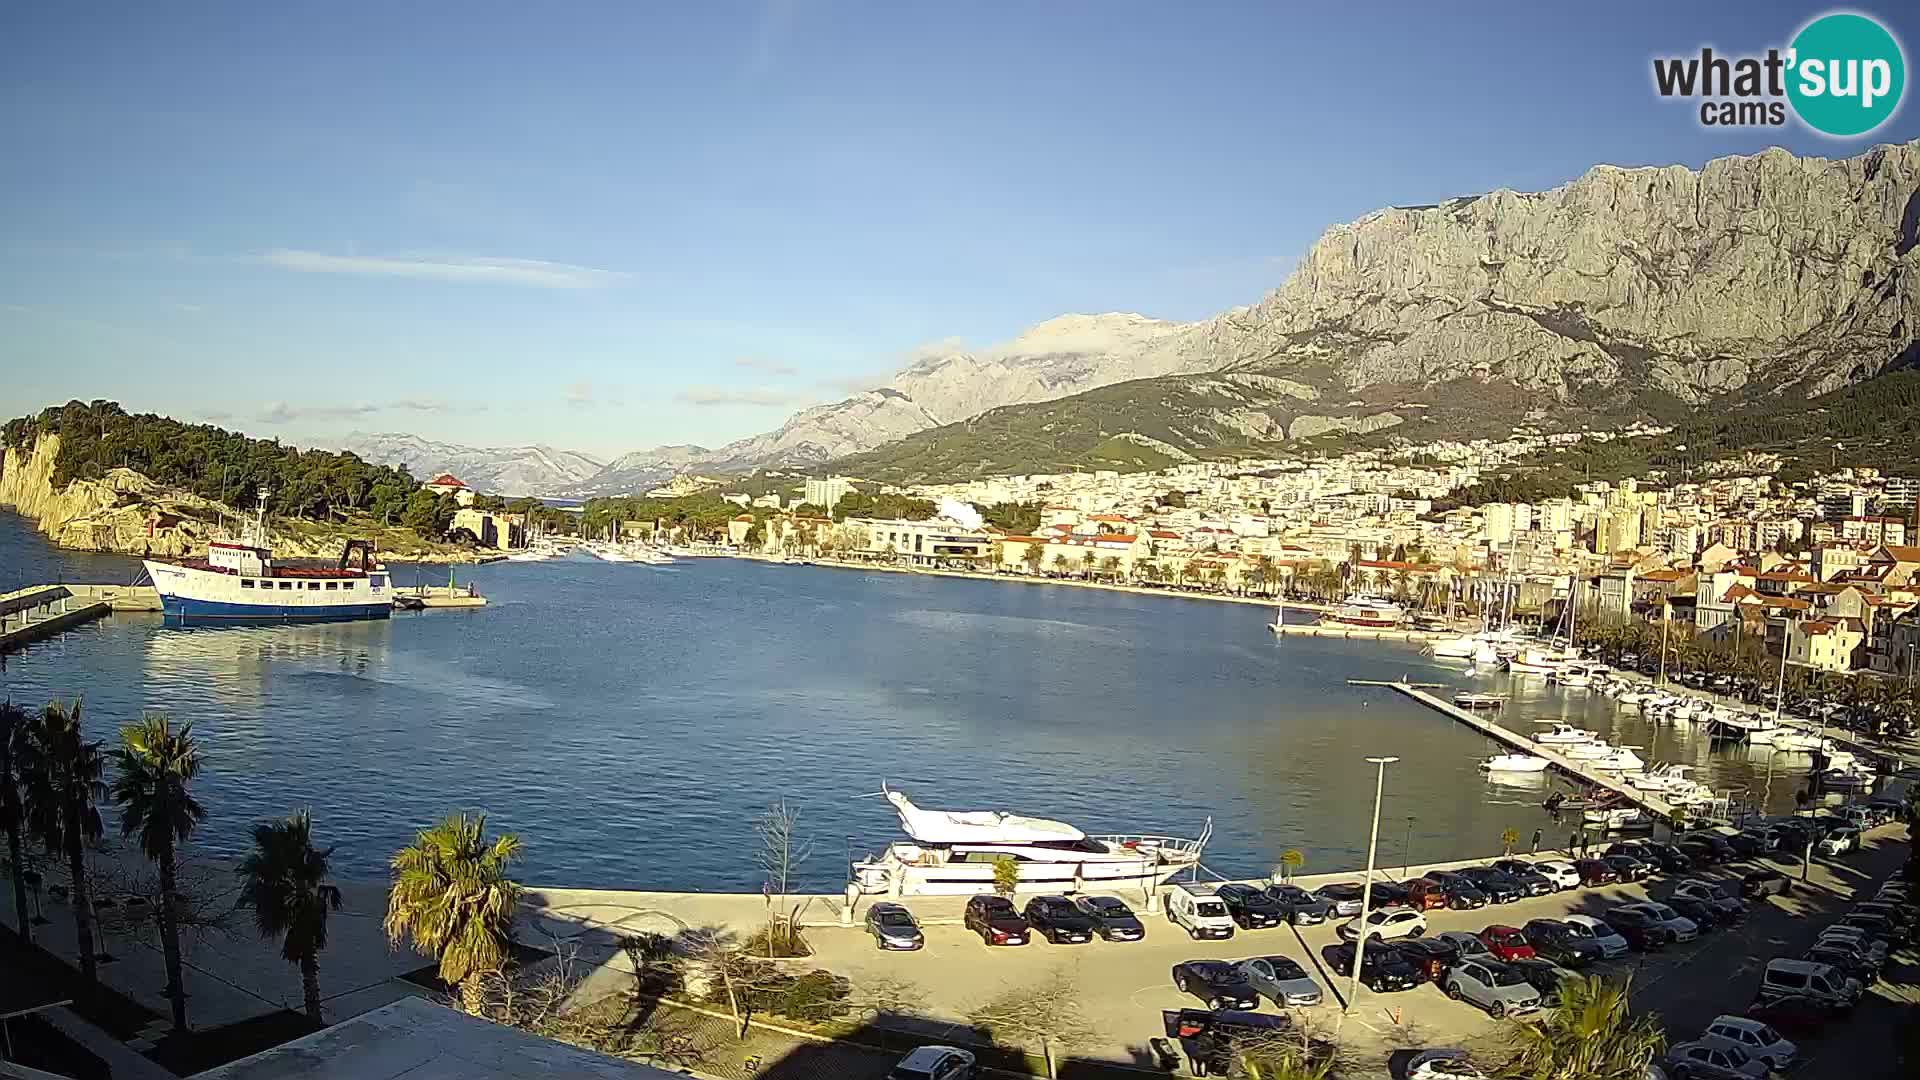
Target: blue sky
610, 226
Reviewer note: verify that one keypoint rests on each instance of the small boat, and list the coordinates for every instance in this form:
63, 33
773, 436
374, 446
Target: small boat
1620, 819
1621, 759
1466, 699
1564, 735
1366, 611
1587, 751
1576, 675
1517, 763
1459, 648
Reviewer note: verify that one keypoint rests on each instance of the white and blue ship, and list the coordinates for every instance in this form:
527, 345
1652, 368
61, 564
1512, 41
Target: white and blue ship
240, 581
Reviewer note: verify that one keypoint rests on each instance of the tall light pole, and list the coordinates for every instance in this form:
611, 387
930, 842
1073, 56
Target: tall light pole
1666, 619
1366, 887
1404, 863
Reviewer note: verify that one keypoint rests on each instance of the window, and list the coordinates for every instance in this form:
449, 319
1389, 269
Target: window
246, 583
378, 581
333, 585
313, 586
286, 585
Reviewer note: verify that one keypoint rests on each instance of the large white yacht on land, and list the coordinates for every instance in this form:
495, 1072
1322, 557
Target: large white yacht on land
952, 853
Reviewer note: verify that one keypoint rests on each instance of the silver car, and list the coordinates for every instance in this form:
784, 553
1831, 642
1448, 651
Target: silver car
1704, 1061
1493, 986
1282, 980
893, 927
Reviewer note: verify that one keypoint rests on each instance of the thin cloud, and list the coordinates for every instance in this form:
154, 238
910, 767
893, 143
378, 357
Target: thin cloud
280, 412
580, 394
711, 396
434, 405
766, 367
478, 271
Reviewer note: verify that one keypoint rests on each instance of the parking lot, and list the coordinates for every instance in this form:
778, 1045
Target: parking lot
1124, 986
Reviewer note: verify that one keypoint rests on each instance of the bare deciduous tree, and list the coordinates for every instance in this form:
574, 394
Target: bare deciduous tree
546, 1000
1046, 1012
782, 850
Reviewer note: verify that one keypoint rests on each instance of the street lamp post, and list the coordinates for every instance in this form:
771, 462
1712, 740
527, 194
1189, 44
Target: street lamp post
1404, 857
1366, 887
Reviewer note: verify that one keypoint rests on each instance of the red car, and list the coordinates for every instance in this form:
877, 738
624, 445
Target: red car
1506, 943
1595, 872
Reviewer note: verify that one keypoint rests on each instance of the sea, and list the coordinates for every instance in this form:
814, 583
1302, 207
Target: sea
632, 723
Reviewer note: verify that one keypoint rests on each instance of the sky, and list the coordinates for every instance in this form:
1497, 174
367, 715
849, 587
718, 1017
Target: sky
608, 226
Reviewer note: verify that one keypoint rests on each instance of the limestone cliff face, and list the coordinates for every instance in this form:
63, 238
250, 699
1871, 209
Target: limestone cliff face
1791, 272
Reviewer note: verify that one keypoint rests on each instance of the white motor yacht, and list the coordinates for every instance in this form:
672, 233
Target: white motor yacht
1622, 759
1562, 734
1518, 763
953, 854
1591, 750
1467, 699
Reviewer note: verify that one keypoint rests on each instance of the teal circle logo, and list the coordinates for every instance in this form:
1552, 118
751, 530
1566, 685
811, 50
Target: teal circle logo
1847, 74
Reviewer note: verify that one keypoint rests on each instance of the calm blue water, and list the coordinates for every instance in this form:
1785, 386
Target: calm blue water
631, 722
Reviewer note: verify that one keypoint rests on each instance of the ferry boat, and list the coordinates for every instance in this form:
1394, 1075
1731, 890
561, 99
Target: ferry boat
1366, 611
953, 854
240, 581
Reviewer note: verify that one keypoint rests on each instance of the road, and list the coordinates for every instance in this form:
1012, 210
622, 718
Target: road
1123, 987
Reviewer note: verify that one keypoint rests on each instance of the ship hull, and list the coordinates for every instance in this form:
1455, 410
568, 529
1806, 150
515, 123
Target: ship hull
183, 609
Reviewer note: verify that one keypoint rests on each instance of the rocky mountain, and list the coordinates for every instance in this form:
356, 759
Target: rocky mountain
1061, 356
1625, 292
500, 470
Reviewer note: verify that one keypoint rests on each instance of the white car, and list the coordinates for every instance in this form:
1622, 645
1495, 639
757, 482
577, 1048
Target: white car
1612, 945
1386, 924
1445, 1064
1684, 929
1756, 1038
1558, 871
1839, 842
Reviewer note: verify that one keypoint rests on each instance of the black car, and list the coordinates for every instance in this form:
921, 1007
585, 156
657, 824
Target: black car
1431, 956
1551, 939
1499, 888
1626, 867
1642, 931
1532, 881
1387, 894
1878, 926
1212, 1037
1544, 976
1793, 1013
1851, 962
1343, 896
995, 920
1112, 919
1704, 915
1666, 856
1058, 920
1707, 850
1302, 907
1382, 970
1216, 982
1251, 908
1718, 895
1749, 844
1462, 894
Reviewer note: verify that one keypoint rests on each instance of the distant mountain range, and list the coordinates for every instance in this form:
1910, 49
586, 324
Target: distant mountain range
503, 470
1629, 292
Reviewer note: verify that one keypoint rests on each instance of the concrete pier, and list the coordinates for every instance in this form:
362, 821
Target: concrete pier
1526, 745
40, 611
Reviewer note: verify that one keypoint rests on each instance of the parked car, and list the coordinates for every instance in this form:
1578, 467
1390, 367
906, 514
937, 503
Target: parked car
1491, 985
1873, 947
1879, 927
1432, 955
1627, 868
1544, 976
1499, 888
1195, 909
1764, 881
1642, 929
995, 920
936, 1063
1388, 894
1466, 945
1596, 872
1112, 918
1707, 850
1442, 1063
1210, 1036
1682, 928
1666, 856
1714, 894
1610, 942
1462, 895
1302, 907
1382, 970
1895, 912
1851, 960
1701, 1061
1559, 871
1792, 1012
1218, 983
1699, 912
1531, 881
1506, 942
1343, 896
893, 927
1251, 908
1058, 920
1754, 1037
1893, 891
1426, 894
1750, 843
1561, 943
1387, 923
1282, 980
1804, 978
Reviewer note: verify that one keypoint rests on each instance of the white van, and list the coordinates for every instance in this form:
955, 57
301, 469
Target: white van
1804, 978
1196, 909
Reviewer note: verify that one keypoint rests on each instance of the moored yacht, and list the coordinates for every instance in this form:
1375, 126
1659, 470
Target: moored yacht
1563, 735
1366, 611
240, 581
952, 853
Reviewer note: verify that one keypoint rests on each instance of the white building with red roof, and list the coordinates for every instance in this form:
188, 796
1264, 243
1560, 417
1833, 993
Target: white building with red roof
448, 484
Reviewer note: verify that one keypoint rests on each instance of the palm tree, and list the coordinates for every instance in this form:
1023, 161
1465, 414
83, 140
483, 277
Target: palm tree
1110, 566
60, 775
13, 734
1590, 1035
157, 765
452, 900
284, 882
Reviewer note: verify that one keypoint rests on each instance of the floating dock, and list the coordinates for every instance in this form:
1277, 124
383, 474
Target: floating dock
1524, 744
41, 611
439, 596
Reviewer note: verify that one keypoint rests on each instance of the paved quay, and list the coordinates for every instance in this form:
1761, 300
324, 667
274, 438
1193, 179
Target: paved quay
41, 611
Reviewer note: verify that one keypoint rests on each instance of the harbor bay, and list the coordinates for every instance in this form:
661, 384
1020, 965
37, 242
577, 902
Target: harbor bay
631, 722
